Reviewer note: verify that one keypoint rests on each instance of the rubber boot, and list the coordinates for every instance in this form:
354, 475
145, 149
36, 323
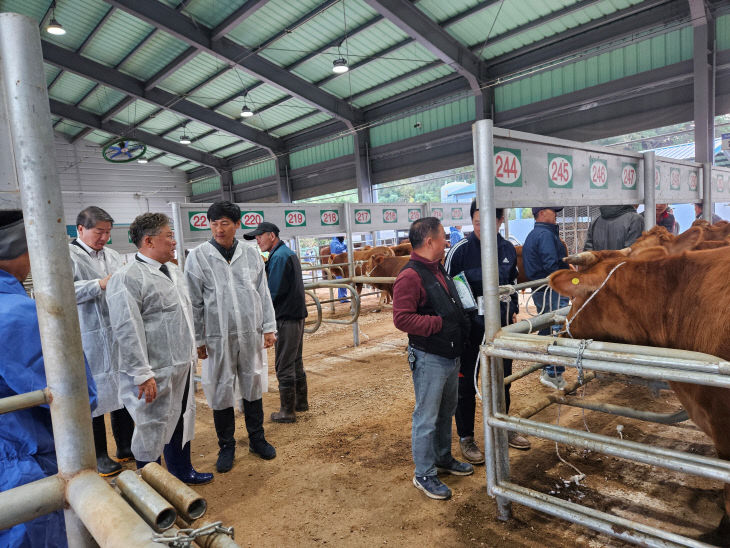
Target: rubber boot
254, 414
178, 464
225, 428
122, 428
286, 413
302, 402
142, 463
104, 465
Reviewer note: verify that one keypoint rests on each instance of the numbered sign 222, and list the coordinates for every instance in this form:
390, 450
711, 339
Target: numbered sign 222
198, 220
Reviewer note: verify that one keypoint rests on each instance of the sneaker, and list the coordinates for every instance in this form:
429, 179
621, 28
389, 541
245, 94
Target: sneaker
432, 486
556, 382
470, 451
456, 468
518, 441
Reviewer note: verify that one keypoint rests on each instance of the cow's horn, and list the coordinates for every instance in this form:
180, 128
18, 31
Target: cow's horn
586, 258
625, 251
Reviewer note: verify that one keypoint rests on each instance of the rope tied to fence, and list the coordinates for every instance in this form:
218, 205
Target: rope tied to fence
185, 537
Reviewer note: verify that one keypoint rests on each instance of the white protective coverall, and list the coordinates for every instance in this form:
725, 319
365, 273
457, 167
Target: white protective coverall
232, 310
96, 335
152, 323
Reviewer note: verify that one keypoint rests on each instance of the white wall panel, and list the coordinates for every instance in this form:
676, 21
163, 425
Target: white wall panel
124, 190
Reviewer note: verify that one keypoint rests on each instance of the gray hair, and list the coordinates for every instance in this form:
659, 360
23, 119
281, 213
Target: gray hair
92, 216
422, 229
147, 224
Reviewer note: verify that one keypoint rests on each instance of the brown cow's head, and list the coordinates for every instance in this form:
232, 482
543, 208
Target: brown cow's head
658, 235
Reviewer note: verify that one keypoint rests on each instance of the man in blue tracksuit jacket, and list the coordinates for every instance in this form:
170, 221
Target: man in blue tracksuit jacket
337, 246
542, 255
466, 257
27, 451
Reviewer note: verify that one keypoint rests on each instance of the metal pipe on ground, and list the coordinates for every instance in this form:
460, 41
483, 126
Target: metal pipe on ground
535, 323
31, 501
552, 398
24, 401
186, 501
214, 539
615, 526
318, 321
108, 517
155, 510
679, 461
628, 412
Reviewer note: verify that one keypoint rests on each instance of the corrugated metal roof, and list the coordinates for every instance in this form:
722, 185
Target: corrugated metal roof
116, 38
234, 149
685, 151
135, 112
101, 100
85, 15
199, 69
301, 124
211, 12
70, 88
155, 55
272, 18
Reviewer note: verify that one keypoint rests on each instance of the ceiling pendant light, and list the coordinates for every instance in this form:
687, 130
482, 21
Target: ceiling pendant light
184, 139
246, 112
339, 65
54, 27
142, 160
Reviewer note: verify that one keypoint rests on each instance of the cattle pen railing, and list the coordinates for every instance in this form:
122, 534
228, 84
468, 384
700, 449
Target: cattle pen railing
534, 187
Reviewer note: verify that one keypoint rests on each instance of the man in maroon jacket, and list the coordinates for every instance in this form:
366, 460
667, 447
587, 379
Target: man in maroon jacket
427, 307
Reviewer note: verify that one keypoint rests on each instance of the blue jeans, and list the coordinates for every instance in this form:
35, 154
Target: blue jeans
436, 384
556, 301
341, 291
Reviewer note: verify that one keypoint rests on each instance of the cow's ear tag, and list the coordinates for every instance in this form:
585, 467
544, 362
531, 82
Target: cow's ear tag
575, 281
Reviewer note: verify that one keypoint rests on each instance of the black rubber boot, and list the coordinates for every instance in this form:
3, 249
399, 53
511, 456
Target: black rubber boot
179, 465
122, 428
225, 428
257, 444
104, 465
302, 402
286, 413
142, 463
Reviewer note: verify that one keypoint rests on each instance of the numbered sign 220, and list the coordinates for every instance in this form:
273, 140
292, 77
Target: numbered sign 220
674, 178
198, 220
362, 217
329, 217
628, 176
560, 170
599, 173
295, 217
390, 215
507, 167
251, 219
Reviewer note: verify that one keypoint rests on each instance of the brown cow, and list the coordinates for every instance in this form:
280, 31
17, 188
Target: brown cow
402, 250
682, 305
381, 266
360, 257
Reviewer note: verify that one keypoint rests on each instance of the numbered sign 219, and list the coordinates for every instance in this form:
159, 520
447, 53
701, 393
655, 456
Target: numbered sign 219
560, 170
414, 215
198, 220
295, 217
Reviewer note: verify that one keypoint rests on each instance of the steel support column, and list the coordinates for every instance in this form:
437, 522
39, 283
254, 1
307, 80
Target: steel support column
283, 185
227, 185
704, 88
363, 182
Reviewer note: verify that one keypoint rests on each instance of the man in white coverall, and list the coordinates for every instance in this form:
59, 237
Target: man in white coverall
152, 323
234, 322
93, 265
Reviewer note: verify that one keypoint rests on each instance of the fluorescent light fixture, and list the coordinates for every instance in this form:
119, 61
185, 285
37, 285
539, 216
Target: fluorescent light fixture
54, 27
246, 112
339, 66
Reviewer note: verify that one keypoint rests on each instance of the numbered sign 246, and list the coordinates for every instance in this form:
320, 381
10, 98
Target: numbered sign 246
599, 173
295, 217
251, 219
198, 220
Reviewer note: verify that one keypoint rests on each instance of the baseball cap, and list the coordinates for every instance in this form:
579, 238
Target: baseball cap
536, 210
261, 229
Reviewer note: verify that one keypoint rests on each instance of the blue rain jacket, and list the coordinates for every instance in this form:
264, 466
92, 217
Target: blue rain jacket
336, 246
26, 440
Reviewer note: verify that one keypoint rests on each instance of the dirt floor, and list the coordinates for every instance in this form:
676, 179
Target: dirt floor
342, 476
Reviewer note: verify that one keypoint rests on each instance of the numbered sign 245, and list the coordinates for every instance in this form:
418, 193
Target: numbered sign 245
560, 170
295, 217
198, 220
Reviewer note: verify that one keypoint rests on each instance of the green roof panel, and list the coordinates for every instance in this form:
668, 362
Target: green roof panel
211, 12
254, 172
316, 154
225, 85
116, 38
135, 112
99, 137
722, 32
209, 184
79, 18
70, 88
405, 85
35, 9
309, 121
270, 19
156, 54
69, 128
241, 146
102, 99
194, 72
51, 72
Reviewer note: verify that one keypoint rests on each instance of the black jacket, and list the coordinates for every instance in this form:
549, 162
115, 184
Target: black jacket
616, 228
285, 284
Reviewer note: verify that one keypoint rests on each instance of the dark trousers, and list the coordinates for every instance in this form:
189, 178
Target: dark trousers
288, 362
466, 405
177, 435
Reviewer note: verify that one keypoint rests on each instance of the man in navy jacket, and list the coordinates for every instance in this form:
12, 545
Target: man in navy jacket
542, 255
466, 257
